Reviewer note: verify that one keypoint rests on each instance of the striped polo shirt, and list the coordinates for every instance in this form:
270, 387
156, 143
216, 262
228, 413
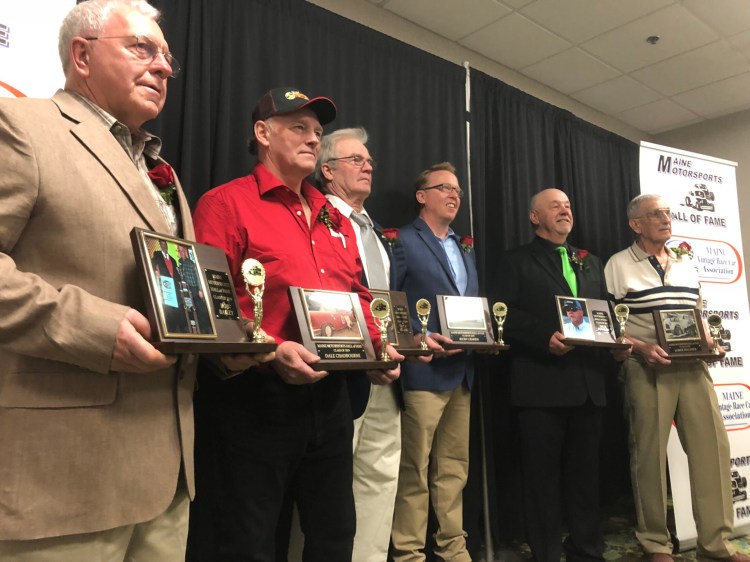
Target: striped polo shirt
633, 280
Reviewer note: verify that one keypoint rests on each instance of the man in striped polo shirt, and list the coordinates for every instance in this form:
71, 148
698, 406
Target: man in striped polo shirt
649, 276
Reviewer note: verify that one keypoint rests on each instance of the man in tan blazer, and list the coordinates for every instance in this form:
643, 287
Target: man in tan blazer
96, 425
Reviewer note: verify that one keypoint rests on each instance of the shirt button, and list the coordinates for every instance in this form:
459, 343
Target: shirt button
322, 270
299, 213
313, 242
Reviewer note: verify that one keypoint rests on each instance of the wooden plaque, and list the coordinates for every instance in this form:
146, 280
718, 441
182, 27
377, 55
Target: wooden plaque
400, 334
467, 321
333, 327
190, 298
681, 334
587, 322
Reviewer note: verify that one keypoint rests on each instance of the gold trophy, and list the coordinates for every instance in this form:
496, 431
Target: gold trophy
714, 327
423, 313
381, 312
622, 311
254, 275
500, 311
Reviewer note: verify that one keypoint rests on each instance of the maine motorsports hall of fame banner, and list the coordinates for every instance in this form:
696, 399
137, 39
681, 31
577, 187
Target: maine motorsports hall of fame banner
29, 62
702, 193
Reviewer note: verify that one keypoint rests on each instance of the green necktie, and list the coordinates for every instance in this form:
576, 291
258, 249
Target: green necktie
568, 273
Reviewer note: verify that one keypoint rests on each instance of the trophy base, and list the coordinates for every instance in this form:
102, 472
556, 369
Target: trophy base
181, 347
477, 346
591, 343
364, 365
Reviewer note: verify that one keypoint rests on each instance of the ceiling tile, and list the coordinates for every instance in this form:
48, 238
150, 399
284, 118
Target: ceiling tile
658, 116
515, 4
580, 20
515, 42
616, 95
726, 16
570, 71
626, 47
449, 19
720, 98
693, 69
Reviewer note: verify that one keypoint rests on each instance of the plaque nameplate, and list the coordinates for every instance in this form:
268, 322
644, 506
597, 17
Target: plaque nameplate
190, 299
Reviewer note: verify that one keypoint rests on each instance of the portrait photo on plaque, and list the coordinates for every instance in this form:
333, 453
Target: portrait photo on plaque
574, 318
179, 287
331, 315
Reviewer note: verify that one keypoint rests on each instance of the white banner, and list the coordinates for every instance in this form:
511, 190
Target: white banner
702, 193
29, 61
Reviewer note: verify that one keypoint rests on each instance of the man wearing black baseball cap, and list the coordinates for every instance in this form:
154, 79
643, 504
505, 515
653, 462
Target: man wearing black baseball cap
285, 430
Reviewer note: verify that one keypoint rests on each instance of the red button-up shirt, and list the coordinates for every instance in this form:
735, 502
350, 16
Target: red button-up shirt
256, 216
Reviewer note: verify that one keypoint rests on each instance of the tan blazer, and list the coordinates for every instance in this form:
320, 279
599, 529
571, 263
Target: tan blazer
81, 448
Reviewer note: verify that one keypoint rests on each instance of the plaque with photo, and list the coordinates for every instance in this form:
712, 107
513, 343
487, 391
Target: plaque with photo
400, 334
190, 299
467, 321
587, 322
333, 327
682, 335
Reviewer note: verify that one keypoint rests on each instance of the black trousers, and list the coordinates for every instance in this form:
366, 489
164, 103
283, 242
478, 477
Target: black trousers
560, 464
259, 440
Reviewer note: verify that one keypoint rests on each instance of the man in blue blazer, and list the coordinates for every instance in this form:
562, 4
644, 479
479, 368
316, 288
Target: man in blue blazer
435, 423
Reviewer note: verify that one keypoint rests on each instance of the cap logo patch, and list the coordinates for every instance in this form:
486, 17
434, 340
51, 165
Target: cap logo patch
295, 94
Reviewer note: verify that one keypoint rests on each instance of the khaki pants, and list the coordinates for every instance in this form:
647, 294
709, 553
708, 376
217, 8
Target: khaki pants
434, 468
162, 539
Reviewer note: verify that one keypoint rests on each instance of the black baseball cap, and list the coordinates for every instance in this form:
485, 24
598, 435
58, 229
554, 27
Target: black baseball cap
571, 305
287, 99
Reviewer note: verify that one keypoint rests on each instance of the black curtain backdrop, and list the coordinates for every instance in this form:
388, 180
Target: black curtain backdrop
412, 104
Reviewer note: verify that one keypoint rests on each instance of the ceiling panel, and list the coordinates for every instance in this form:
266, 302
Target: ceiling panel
515, 42
726, 16
658, 116
693, 69
580, 20
449, 19
626, 48
570, 71
719, 98
614, 96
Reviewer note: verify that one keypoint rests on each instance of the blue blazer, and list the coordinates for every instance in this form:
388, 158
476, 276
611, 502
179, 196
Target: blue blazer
422, 271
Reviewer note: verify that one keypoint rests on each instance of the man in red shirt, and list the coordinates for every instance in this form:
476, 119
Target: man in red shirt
283, 430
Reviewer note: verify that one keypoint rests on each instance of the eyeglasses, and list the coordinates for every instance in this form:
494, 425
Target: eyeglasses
146, 50
356, 159
657, 214
446, 188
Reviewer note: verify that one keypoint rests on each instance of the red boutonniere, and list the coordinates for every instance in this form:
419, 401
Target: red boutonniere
163, 178
390, 235
467, 243
331, 217
684, 249
580, 258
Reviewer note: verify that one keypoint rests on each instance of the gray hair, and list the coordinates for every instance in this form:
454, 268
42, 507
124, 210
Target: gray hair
634, 207
328, 148
89, 18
